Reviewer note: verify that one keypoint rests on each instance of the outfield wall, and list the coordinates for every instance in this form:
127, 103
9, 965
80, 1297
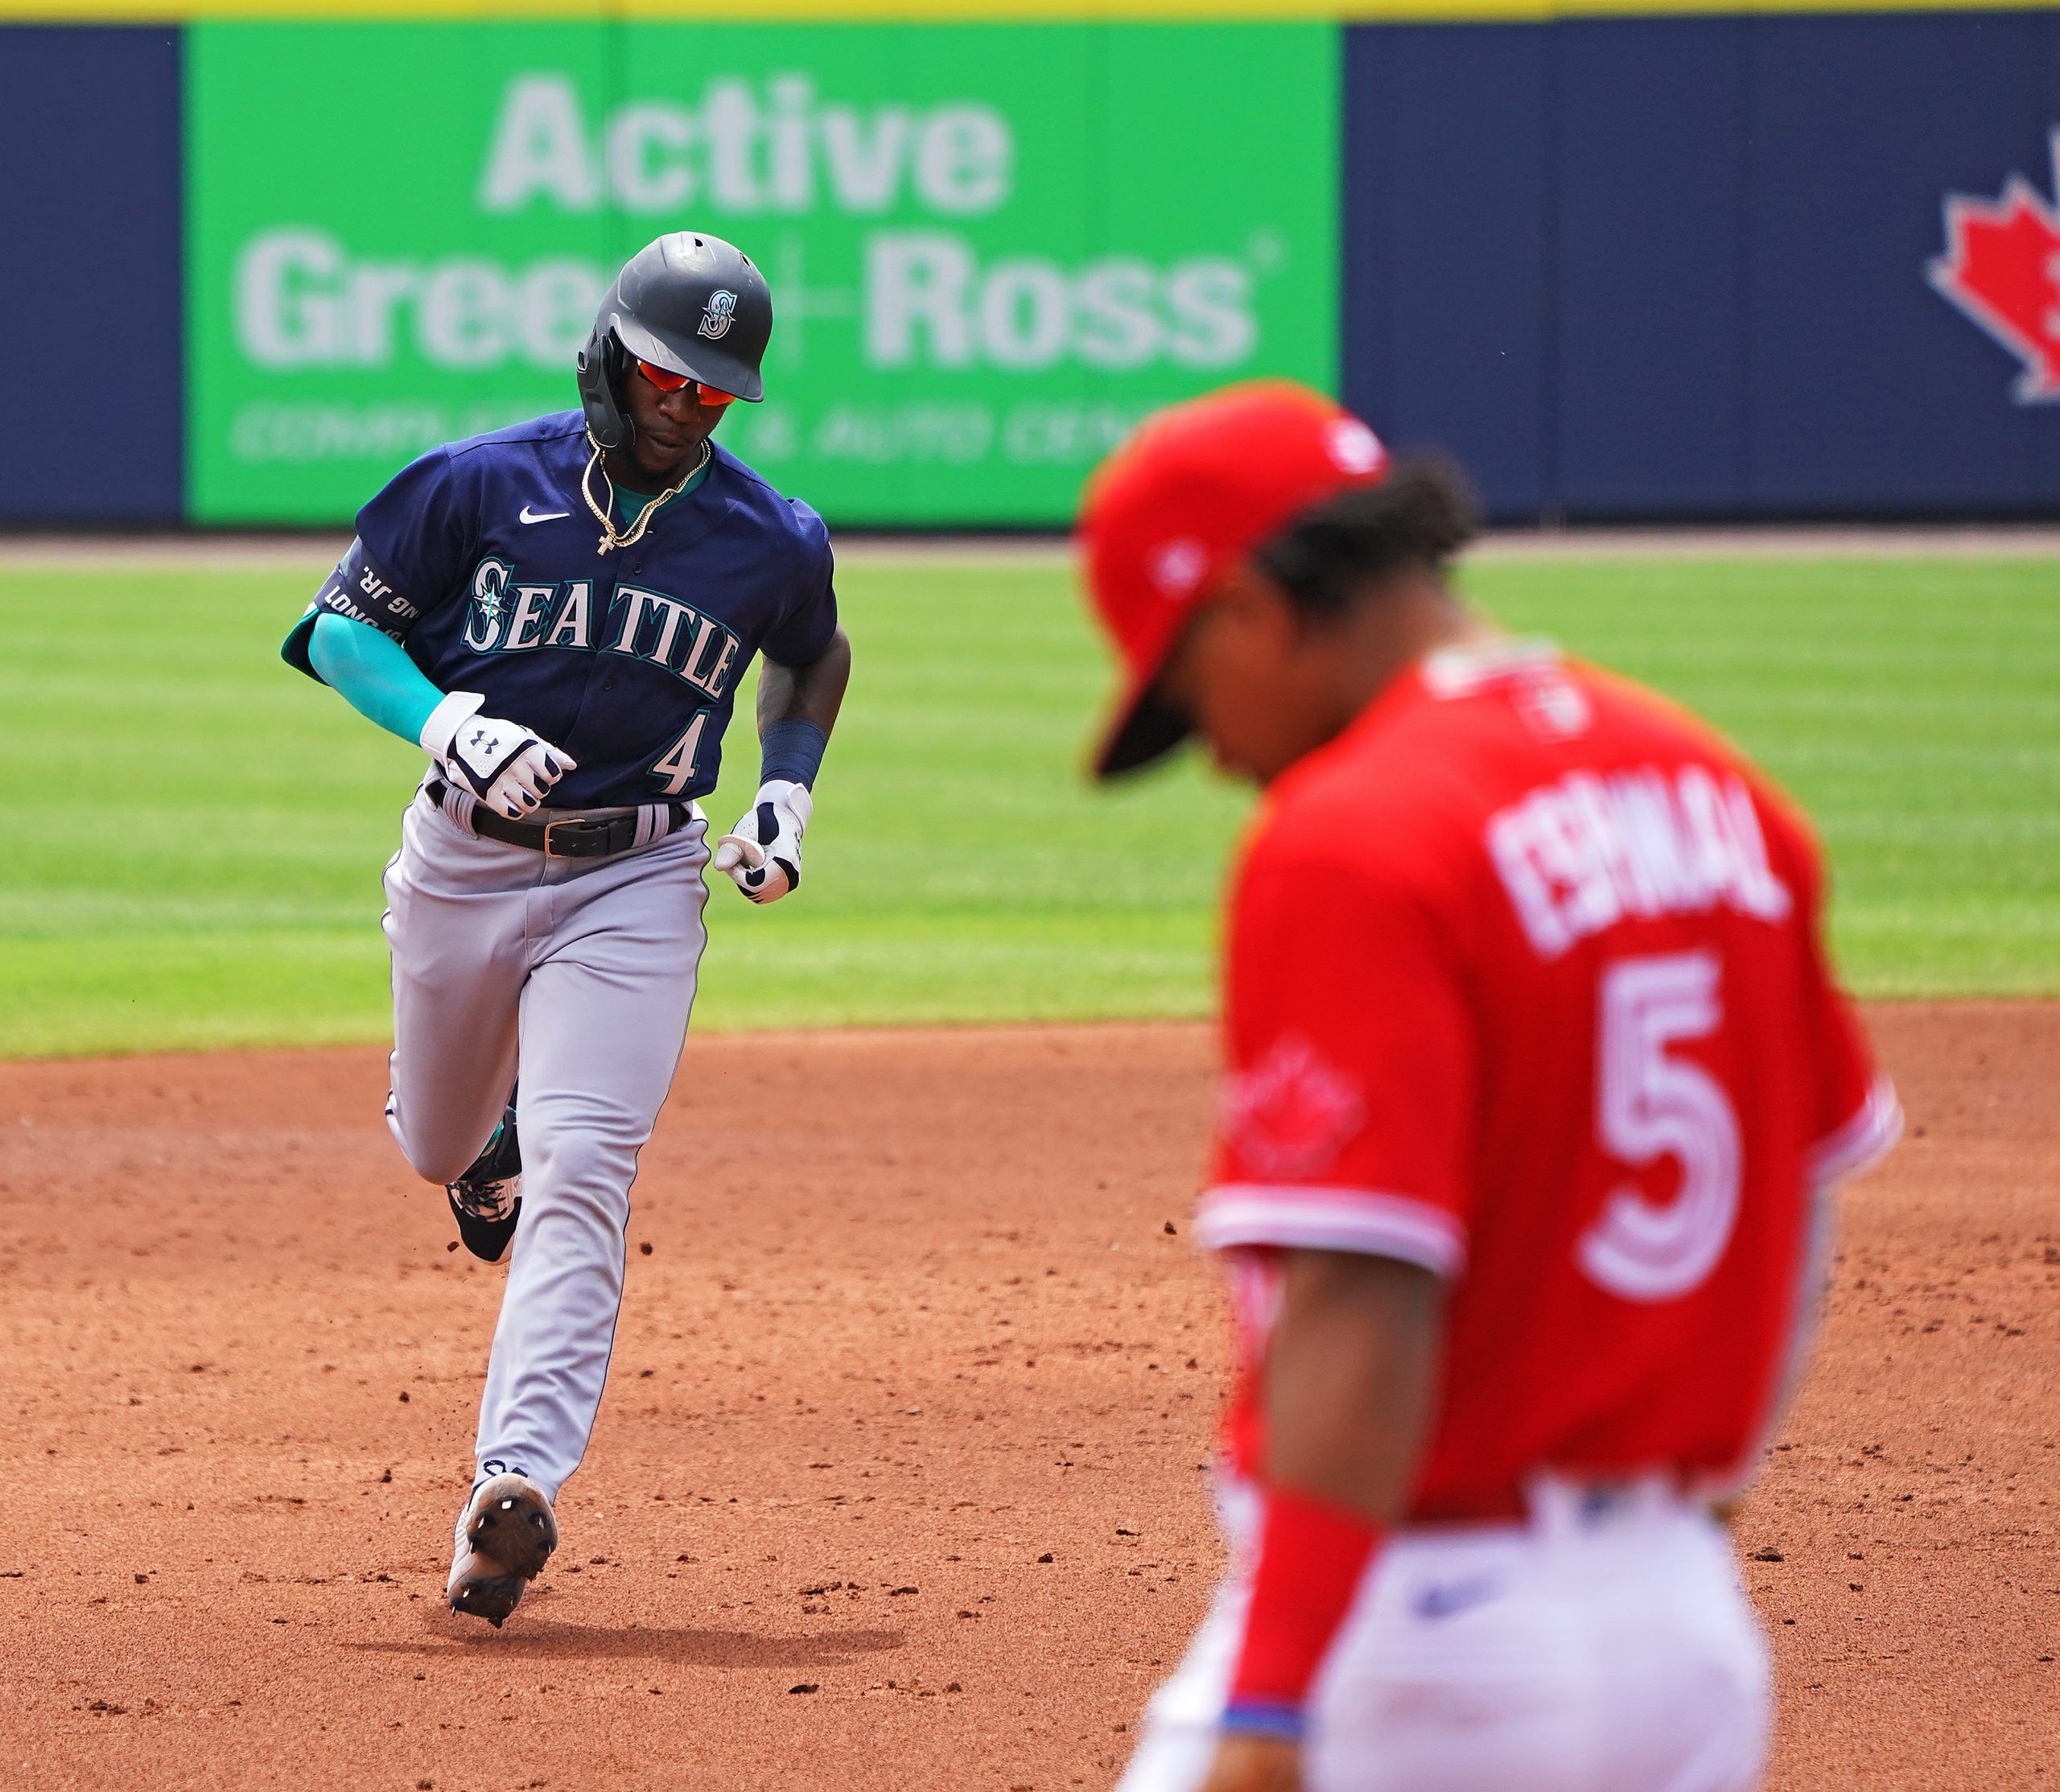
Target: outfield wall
1623, 267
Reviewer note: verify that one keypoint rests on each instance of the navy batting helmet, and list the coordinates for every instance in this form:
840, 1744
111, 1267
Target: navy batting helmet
689, 302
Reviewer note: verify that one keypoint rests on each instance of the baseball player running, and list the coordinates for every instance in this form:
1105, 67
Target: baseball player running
559, 614
1537, 1083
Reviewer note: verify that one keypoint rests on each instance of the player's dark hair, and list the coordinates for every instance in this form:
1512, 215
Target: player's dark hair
1422, 514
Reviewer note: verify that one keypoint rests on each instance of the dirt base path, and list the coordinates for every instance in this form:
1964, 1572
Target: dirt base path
897, 1485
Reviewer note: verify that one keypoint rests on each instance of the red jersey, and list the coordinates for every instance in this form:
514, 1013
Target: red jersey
1526, 984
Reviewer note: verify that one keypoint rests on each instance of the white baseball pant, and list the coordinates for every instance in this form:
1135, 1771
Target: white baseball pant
1605, 1645
581, 972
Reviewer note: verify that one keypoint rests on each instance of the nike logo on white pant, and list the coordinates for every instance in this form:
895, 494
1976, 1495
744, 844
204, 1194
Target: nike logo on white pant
1454, 1596
529, 516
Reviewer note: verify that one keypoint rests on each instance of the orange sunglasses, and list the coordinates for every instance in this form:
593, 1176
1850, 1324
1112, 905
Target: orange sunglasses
666, 380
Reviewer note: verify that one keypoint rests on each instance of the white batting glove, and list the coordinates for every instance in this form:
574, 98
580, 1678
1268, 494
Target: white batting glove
762, 854
500, 763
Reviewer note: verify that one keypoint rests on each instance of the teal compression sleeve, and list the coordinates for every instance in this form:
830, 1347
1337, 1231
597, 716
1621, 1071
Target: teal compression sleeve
373, 674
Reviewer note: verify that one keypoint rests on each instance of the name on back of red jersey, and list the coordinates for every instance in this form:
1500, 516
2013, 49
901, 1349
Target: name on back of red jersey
1593, 848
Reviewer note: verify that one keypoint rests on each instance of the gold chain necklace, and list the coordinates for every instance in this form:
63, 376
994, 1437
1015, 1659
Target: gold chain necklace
610, 536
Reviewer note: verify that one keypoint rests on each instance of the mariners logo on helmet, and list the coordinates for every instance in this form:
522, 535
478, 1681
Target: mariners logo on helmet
721, 313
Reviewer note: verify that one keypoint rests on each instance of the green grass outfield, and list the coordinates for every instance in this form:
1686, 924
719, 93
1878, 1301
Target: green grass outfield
193, 834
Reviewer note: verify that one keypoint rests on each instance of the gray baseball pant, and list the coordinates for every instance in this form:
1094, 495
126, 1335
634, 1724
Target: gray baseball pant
581, 973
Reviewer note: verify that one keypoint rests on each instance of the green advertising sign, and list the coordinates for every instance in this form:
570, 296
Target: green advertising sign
991, 248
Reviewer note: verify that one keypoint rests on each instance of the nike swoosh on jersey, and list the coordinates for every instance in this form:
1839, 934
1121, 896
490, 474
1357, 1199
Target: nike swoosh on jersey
529, 516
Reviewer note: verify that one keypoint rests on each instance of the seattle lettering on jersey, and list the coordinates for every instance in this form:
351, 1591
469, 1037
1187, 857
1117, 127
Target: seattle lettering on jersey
1580, 854
474, 558
507, 616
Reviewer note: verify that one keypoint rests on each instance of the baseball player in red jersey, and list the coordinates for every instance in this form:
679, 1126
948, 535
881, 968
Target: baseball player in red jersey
1537, 1082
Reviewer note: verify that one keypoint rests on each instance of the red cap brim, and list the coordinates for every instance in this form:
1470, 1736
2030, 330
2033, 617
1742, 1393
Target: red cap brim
1144, 727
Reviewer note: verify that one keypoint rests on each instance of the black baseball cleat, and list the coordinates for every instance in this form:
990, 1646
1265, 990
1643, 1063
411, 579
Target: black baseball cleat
487, 1200
506, 1534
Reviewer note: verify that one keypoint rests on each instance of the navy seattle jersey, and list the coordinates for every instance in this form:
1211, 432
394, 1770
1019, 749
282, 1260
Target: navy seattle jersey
481, 558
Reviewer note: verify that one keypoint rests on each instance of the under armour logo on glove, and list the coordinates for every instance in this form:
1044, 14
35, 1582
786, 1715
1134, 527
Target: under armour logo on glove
499, 764
762, 854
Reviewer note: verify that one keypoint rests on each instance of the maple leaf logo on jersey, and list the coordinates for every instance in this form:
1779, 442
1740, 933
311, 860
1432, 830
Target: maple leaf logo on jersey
1291, 1112
2001, 267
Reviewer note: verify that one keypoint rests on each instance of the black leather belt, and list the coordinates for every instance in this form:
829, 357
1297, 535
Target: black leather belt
579, 837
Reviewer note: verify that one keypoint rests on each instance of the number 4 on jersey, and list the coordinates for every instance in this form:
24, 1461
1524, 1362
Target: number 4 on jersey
674, 768
1649, 1105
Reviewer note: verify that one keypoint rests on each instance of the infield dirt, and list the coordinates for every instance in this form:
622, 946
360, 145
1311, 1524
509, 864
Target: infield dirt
898, 1481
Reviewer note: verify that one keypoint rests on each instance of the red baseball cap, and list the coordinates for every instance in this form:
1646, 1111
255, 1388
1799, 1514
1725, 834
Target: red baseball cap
1196, 489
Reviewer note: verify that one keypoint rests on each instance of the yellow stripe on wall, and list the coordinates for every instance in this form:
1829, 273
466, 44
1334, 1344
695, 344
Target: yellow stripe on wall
173, 12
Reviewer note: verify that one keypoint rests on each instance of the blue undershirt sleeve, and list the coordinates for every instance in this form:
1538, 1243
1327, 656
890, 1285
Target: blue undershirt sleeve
372, 673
